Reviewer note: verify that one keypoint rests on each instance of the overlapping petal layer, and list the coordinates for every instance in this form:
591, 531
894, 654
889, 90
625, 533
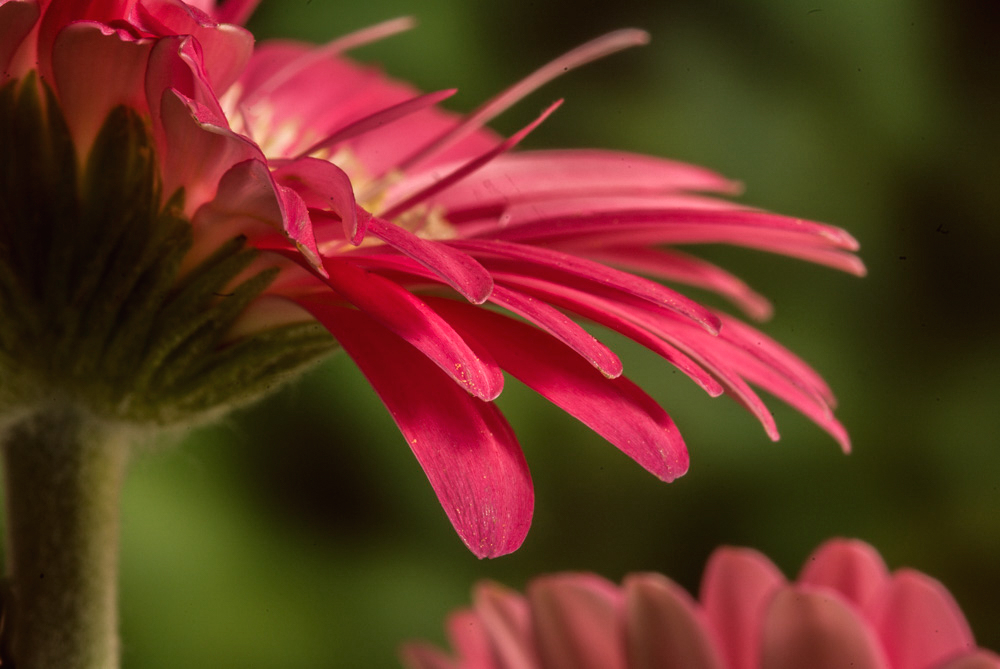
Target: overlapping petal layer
376, 209
845, 610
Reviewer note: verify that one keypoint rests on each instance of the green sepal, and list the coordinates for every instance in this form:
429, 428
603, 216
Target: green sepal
96, 306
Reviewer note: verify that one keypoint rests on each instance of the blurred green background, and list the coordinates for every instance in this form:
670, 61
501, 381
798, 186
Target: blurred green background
301, 533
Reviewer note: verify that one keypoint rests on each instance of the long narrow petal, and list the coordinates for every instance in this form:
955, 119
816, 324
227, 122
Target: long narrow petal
409, 318
664, 626
531, 260
614, 408
463, 272
464, 445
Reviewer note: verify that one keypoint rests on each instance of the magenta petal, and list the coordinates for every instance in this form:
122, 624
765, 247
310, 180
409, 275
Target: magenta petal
323, 185
464, 445
507, 620
614, 408
409, 318
851, 567
236, 11
17, 17
818, 630
225, 48
919, 622
459, 269
578, 622
736, 588
665, 627
531, 260
560, 326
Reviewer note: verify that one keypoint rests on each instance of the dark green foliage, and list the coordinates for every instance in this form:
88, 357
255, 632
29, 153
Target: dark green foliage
92, 307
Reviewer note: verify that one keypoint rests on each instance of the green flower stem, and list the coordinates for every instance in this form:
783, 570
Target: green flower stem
63, 477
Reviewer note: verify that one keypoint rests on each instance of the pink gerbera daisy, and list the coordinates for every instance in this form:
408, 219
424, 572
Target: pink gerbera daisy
845, 610
290, 186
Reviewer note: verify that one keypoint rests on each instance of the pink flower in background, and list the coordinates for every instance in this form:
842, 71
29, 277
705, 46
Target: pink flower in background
845, 610
393, 223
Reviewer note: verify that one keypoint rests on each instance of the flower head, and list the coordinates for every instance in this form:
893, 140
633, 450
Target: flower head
285, 185
844, 610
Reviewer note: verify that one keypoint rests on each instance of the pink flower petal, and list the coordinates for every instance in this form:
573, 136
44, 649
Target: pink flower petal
236, 11
464, 445
225, 48
665, 627
818, 630
577, 621
425, 656
198, 150
459, 269
323, 185
981, 659
507, 620
919, 622
614, 408
469, 638
542, 262
411, 319
542, 175
849, 566
561, 327
17, 18
737, 586
677, 266
112, 74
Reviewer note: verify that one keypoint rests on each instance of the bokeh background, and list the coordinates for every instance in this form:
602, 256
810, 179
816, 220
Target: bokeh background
301, 533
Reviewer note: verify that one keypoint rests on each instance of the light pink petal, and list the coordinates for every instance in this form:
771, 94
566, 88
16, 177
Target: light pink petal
593, 50
507, 620
919, 623
537, 175
851, 567
469, 639
560, 326
534, 261
578, 622
198, 150
456, 267
236, 11
17, 18
395, 208
379, 119
665, 627
112, 74
981, 659
464, 445
614, 408
225, 48
323, 185
420, 655
736, 589
682, 226
818, 630
607, 313
409, 318
676, 266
